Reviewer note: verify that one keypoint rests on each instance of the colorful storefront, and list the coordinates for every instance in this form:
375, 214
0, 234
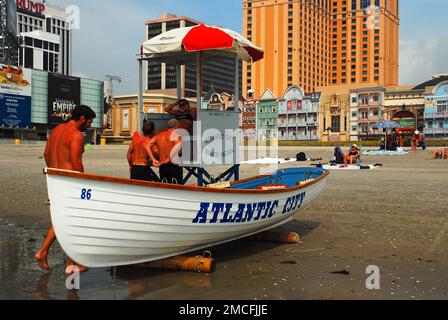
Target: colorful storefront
436, 112
298, 115
267, 116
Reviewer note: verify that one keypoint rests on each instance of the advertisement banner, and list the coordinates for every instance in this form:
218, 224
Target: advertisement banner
64, 95
15, 96
289, 105
107, 119
299, 104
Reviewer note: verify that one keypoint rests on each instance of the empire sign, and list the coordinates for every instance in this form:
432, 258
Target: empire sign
30, 6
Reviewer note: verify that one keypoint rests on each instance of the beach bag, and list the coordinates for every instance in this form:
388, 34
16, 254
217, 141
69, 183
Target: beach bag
301, 157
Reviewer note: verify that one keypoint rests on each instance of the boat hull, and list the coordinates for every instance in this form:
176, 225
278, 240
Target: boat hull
102, 223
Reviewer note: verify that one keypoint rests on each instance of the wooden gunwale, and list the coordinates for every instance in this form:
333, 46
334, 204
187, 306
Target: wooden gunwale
86, 176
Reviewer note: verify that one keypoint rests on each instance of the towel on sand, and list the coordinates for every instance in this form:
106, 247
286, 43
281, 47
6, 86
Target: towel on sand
349, 167
269, 161
399, 152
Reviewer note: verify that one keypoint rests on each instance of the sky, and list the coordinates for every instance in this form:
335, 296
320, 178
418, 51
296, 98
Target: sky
112, 31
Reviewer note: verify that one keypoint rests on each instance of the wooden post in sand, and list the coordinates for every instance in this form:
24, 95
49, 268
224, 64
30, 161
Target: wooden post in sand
195, 264
276, 236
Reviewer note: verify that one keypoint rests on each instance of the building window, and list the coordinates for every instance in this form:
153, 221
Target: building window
336, 123
125, 125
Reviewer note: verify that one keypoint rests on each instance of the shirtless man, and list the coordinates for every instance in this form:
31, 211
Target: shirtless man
185, 115
64, 150
414, 141
440, 155
169, 144
138, 157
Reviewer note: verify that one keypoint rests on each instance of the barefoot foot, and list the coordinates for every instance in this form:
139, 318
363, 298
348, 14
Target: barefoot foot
41, 260
72, 268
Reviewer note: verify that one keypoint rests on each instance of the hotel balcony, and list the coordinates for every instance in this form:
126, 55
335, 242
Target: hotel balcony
372, 119
307, 137
434, 131
436, 115
371, 105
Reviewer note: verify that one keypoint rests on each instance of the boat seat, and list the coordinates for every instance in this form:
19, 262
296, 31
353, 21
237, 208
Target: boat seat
219, 185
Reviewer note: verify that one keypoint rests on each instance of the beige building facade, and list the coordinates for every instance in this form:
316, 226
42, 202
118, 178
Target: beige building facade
348, 113
124, 113
334, 113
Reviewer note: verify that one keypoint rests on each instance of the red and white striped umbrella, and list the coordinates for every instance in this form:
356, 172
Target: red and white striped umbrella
203, 38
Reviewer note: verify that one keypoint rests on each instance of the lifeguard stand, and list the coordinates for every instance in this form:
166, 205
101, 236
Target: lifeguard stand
214, 125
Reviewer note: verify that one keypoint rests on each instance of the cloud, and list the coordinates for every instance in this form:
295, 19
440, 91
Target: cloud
112, 31
109, 38
421, 58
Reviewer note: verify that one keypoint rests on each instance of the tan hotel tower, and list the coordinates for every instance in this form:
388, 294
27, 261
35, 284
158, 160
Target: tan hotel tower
316, 43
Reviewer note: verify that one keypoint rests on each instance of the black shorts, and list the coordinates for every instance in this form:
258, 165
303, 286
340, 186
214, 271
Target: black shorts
143, 173
171, 173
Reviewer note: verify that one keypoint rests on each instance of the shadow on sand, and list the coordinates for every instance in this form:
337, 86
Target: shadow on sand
142, 282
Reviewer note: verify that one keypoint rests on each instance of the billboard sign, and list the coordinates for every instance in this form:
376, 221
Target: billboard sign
15, 96
64, 95
30, 6
107, 119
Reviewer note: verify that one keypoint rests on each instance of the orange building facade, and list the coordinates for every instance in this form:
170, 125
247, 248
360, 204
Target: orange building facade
317, 43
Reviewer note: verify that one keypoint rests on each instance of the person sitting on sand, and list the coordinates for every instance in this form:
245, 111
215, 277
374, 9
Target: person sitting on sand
353, 155
415, 140
440, 155
421, 141
339, 156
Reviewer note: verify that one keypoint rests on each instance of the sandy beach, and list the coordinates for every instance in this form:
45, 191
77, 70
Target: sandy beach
394, 217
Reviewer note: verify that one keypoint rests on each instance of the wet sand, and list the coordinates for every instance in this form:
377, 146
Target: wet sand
394, 217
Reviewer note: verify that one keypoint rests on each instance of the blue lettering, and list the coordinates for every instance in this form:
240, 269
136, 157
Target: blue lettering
250, 210
274, 206
296, 202
227, 218
266, 212
217, 209
302, 198
245, 212
202, 214
285, 210
239, 214
261, 207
